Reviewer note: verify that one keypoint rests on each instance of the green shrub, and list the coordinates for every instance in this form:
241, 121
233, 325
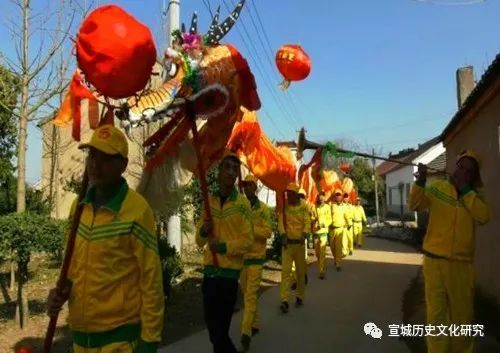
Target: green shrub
171, 264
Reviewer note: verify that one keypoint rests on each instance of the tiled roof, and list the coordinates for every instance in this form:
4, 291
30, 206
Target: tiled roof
438, 163
387, 167
487, 79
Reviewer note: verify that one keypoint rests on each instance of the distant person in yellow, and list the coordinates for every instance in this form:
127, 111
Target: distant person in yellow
253, 261
340, 221
293, 235
302, 196
455, 207
348, 242
322, 218
359, 219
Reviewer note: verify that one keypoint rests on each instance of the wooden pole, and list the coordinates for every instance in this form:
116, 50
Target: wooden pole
68, 254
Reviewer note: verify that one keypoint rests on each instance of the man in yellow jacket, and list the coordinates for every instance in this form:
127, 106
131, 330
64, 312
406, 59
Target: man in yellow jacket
114, 293
455, 206
253, 261
232, 238
302, 197
359, 219
348, 242
293, 234
322, 219
338, 227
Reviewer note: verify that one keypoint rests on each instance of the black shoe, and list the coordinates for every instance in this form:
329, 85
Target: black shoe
339, 268
350, 253
255, 331
284, 307
360, 246
245, 342
299, 303
294, 286
321, 276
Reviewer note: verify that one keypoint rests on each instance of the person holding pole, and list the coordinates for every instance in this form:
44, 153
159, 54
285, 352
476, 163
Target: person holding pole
114, 286
359, 219
251, 274
337, 228
233, 237
293, 227
456, 206
323, 220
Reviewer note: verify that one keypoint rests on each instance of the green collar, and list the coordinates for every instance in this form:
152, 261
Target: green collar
232, 196
256, 205
115, 204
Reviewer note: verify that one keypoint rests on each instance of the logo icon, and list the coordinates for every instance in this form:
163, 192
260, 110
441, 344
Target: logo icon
104, 134
371, 329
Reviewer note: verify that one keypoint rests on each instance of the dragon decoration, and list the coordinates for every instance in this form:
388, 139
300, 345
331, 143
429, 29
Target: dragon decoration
203, 81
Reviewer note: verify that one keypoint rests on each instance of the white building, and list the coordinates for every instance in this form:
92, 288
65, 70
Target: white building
400, 177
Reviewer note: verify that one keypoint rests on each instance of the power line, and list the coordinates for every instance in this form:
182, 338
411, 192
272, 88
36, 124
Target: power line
261, 67
250, 52
269, 57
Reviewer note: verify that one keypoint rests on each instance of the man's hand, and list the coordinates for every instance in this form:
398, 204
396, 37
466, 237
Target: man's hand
213, 244
207, 227
284, 240
56, 300
421, 172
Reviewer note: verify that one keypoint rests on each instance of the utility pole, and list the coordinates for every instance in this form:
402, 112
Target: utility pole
376, 187
174, 233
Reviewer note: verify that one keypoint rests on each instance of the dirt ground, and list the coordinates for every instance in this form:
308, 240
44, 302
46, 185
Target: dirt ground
184, 311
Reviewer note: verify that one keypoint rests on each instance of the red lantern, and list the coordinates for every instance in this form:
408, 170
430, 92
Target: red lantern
345, 167
115, 52
293, 63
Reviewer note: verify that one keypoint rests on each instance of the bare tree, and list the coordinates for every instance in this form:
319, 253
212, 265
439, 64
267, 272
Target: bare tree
42, 61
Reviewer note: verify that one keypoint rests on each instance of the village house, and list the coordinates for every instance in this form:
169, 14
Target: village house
476, 126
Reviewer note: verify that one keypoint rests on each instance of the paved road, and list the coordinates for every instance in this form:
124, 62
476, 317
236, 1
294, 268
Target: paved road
369, 289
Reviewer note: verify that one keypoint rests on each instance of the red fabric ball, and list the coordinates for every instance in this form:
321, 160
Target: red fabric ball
293, 62
115, 52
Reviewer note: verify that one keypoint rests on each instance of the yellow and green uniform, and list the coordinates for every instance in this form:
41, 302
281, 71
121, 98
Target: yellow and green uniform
232, 227
322, 216
297, 227
308, 234
348, 240
337, 234
115, 279
449, 253
253, 261
359, 218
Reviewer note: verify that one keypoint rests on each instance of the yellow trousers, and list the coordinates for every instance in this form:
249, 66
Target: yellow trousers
293, 253
449, 296
321, 243
358, 233
336, 245
250, 278
294, 273
119, 347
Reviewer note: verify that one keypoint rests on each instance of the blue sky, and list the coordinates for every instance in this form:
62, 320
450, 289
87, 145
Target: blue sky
383, 70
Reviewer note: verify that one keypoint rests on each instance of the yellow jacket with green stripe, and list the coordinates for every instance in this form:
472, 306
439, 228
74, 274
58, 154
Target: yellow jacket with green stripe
452, 218
232, 227
115, 277
322, 216
262, 230
340, 216
298, 222
359, 214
